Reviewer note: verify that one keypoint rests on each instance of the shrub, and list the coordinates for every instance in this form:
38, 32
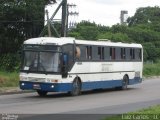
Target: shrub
9, 62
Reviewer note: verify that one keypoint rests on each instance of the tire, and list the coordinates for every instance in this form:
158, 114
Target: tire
124, 83
42, 93
76, 88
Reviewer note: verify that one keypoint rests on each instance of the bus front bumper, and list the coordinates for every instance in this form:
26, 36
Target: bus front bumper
49, 87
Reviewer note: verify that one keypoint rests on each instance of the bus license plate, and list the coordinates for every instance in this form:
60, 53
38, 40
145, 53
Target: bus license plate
36, 86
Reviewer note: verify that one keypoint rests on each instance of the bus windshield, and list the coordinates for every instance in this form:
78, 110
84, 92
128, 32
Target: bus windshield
34, 61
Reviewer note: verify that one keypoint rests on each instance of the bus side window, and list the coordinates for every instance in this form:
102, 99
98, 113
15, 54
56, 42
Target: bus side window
99, 53
118, 53
140, 54
123, 53
128, 54
132, 54
102, 55
68, 50
133, 57
112, 53
88, 52
106, 53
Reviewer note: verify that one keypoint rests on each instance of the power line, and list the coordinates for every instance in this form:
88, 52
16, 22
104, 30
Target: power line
6, 21
72, 13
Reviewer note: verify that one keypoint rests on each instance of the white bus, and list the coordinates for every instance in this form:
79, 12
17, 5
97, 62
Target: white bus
69, 65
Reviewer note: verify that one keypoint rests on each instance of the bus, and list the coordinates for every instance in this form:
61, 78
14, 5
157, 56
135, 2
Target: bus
68, 65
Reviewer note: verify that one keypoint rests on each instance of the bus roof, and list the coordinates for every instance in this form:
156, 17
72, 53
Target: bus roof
67, 40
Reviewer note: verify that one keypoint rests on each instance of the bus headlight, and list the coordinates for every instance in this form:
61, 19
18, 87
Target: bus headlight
22, 78
22, 84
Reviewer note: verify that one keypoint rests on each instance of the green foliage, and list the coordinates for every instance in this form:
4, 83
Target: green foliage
9, 79
150, 110
20, 20
119, 28
152, 51
9, 62
145, 15
115, 37
150, 113
89, 32
85, 30
151, 69
143, 28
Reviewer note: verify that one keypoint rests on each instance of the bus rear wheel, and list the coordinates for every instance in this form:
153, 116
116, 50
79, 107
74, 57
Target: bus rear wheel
42, 93
76, 87
124, 83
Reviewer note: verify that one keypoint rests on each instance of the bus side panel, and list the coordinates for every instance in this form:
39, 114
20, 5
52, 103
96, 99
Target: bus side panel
101, 84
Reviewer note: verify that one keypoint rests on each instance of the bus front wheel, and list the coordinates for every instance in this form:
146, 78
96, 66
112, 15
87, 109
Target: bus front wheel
76, 87
42, 93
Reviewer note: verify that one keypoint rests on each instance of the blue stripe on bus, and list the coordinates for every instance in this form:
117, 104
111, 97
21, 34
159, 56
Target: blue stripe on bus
136, 80
65, 87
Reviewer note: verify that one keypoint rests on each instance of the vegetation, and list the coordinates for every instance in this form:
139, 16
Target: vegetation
9, 79
142, 28
10, 62
151, 69
23, 19
19, 20
151, 113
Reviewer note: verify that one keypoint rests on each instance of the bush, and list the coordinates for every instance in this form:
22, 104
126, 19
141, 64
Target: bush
9, 79
151, 69
9, 62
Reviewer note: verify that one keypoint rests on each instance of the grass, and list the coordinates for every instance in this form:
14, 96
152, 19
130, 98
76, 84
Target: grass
9, 79
151, 113
151, 69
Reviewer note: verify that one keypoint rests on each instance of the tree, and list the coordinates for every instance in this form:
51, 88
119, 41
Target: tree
145, 15
20, 20
152, 51
115, 37
85, 30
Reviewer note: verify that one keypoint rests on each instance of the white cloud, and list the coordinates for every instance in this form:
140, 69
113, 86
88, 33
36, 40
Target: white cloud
109, 2
107, 12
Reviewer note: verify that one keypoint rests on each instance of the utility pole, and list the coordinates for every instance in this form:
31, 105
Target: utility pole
64, 19
73, 13
123, 17
48, 24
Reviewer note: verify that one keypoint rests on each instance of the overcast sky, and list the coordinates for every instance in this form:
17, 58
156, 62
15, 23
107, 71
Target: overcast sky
106, 12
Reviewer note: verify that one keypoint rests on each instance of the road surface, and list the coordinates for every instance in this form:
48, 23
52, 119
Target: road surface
93, 103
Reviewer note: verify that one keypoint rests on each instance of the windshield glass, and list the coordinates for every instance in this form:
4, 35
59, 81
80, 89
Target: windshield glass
41, 61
